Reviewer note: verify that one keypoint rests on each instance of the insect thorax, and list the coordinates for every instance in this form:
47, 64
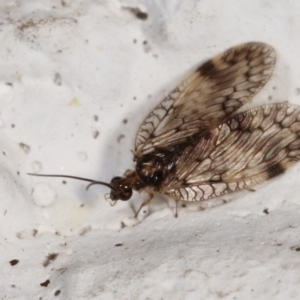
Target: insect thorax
153, 168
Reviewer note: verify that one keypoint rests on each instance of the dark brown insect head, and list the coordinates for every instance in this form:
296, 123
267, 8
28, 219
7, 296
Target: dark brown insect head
121, 189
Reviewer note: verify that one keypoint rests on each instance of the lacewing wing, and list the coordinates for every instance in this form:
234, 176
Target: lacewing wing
193, 146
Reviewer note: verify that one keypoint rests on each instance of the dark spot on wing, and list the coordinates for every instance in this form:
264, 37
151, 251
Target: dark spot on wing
57, 293
207, 68
275, 170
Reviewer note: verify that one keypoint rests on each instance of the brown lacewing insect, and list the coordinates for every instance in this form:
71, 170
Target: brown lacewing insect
193, 146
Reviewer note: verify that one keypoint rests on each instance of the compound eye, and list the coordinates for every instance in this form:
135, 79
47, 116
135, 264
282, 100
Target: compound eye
126, 194
115, 181
114, 195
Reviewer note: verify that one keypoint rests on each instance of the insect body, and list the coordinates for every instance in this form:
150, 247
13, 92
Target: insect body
194, 146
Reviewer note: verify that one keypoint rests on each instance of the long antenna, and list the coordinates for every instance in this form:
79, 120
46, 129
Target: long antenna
75, 177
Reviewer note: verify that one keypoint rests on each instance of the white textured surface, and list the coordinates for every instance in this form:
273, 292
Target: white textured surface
65, 62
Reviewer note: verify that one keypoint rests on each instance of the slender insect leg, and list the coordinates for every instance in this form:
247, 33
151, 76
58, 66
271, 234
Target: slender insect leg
176, 208
151, 195
249, 189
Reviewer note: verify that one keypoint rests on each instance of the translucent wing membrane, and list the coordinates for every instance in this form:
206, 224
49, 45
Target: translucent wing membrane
247, 149
207, 97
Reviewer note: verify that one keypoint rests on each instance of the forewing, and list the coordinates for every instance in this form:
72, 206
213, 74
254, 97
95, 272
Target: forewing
249, 148
207, 97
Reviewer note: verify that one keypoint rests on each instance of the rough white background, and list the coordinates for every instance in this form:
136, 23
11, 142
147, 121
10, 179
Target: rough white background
65, 62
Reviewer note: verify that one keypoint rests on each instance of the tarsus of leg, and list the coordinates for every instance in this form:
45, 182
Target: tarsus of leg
147, 201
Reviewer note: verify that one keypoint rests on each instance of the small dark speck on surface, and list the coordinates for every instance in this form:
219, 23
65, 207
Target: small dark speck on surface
24, 147
3, 153
96, 118
120, 137
95, 134
125, 121
134, 98
64, 182
134, 41
266, 211
57, 293
296, 248
57, 79
297, 91
147, 47
12, 125
49, 258
9, 83
14, 262
270, 97
34, 232
139, 14
46, 283
274, 88
118, 245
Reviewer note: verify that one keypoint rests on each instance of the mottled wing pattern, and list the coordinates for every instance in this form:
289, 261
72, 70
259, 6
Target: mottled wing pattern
207, 97
247, 149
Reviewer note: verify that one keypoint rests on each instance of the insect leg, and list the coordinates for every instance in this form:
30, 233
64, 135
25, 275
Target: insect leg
147, 201
176, 208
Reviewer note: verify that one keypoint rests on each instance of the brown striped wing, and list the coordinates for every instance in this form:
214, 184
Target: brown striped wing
207, 97
249, 148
